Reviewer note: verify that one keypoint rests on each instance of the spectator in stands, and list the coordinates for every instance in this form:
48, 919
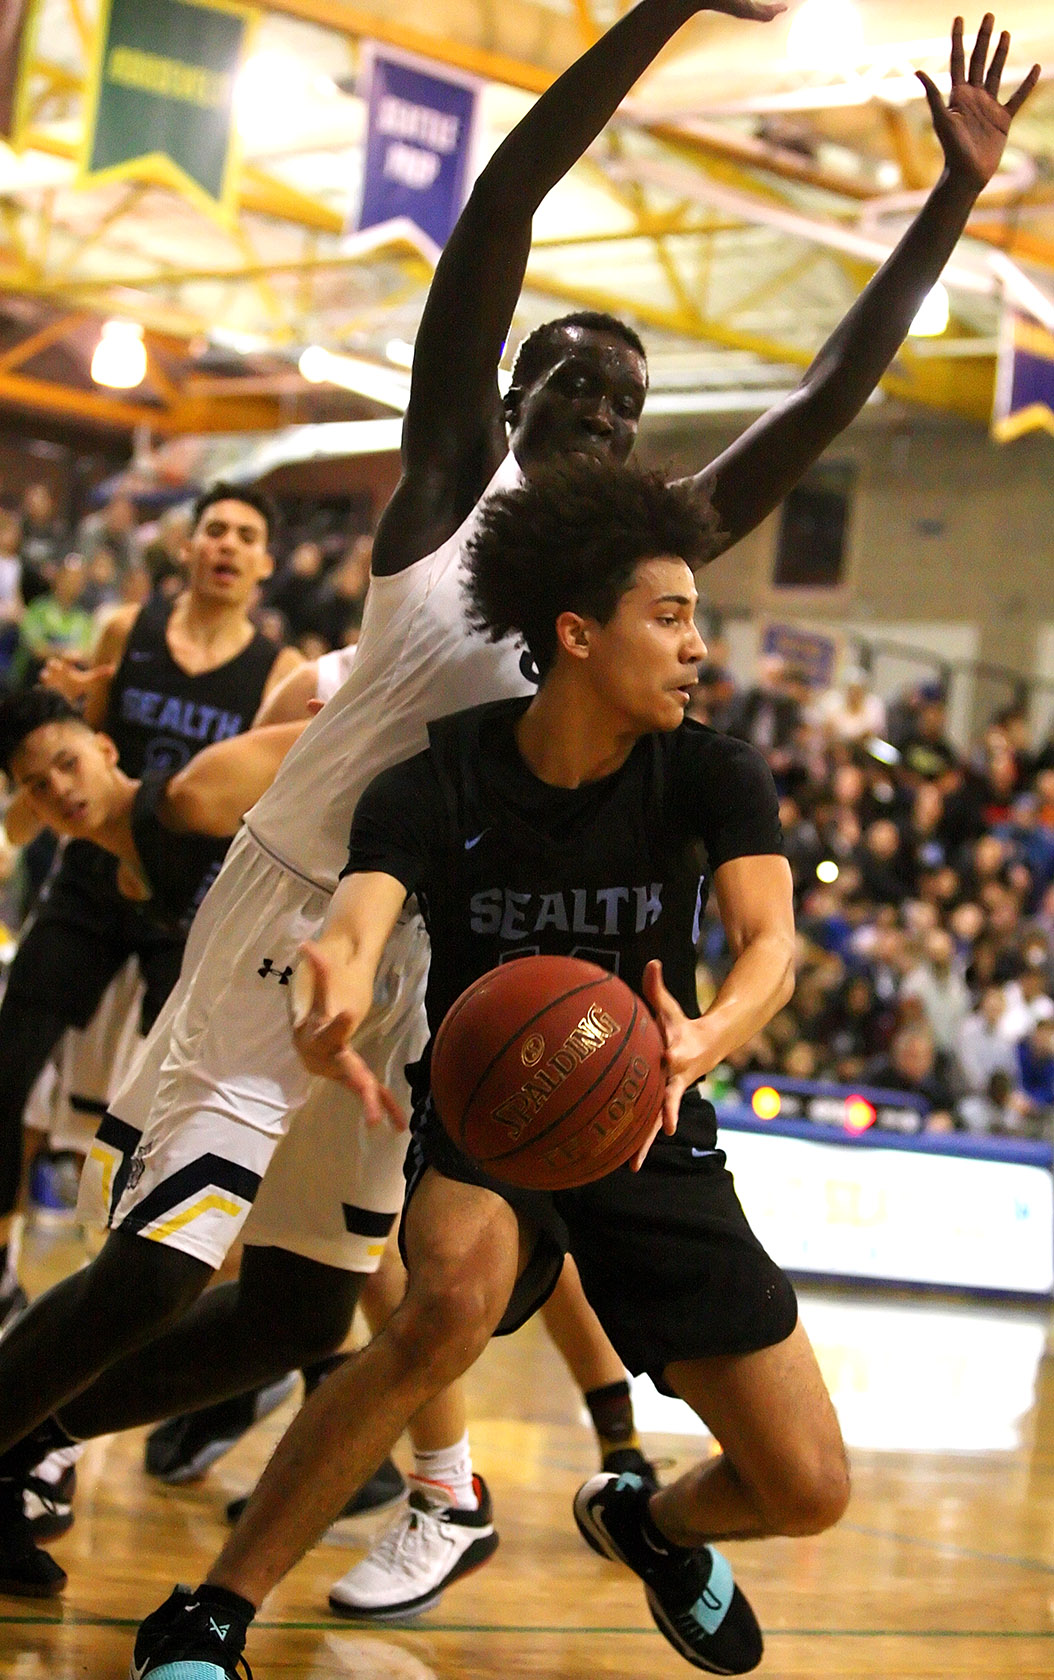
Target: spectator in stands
853, 712
336, 610
982, 1048
999, 1108
881, 863
926, 754
1035, 1061
768, 714
113, 527
912, 1066
54, 623
101, 587
44, 538
294, 587
1027, 1004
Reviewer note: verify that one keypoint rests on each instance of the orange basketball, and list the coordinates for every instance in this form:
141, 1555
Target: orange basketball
548, 1072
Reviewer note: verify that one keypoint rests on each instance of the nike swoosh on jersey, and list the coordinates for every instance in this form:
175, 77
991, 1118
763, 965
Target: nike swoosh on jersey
469, 844
698, 1153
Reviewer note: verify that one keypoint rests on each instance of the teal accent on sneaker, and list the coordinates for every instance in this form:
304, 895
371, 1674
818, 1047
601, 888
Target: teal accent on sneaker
711, 1607
191, 1670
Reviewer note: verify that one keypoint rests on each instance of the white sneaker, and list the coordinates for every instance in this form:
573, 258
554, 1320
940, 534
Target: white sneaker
424, 1550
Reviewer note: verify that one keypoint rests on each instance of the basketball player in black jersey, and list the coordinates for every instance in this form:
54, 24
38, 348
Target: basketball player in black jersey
595, 803
184, 674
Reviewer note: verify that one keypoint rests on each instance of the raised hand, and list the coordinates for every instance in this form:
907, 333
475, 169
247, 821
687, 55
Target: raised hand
72, 681
323, 1024
973, 126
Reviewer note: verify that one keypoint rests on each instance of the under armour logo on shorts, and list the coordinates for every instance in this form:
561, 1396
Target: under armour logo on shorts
282, 975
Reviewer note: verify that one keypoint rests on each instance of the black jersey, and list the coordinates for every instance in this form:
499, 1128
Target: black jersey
179, 869
159, 715
616, 871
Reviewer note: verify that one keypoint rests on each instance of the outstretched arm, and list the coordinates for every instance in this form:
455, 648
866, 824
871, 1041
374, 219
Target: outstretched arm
332, 988
454, 433
213, 792
756, 472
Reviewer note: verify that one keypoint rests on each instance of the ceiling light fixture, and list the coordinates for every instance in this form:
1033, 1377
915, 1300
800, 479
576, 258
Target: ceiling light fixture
352, 373
119, 360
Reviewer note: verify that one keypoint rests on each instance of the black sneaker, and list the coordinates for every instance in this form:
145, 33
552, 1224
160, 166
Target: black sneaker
691, 1594
385, 1488
25, 1571
185, 1640
618, 1460
182, 1448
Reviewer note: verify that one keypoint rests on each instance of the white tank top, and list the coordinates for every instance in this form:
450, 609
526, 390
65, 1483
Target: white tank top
416, 661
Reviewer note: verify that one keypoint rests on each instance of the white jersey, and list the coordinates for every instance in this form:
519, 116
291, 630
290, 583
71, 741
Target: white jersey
417, 660
332, 671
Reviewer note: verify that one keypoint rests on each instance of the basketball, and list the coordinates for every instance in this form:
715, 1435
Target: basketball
548, 1072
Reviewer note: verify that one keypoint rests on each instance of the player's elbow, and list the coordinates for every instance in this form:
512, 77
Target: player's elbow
788, 978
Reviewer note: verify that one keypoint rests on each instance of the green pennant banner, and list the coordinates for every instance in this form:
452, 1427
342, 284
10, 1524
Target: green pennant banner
160, 107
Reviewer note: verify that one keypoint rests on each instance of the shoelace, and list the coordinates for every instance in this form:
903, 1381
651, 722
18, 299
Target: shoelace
47, 1493
407, 1541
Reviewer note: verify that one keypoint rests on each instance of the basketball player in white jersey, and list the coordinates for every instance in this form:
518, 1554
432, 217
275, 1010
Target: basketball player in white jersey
212, 1104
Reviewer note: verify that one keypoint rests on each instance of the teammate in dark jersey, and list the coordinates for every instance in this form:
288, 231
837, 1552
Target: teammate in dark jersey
590, 816
173, 678
169, 829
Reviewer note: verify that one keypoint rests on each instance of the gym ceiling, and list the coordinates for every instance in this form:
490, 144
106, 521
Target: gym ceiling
733, 211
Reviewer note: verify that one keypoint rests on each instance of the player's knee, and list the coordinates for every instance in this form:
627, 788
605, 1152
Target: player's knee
443, 1326
811, 1494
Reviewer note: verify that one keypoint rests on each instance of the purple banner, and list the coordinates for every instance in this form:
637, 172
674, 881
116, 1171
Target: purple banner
419, 142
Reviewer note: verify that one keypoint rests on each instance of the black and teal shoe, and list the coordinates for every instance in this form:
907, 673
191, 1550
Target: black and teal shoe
693, 1599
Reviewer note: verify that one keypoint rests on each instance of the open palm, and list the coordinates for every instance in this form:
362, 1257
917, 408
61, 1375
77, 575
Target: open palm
973, 126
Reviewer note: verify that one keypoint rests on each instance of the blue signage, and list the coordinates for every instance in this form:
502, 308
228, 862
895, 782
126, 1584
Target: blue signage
419, 141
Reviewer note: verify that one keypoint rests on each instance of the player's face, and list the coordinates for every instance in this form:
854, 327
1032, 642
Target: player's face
226, 553
644, 662
588, 401
66, 774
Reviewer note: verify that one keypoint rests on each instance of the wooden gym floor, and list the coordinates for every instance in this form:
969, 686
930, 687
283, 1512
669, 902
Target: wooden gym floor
944, 1565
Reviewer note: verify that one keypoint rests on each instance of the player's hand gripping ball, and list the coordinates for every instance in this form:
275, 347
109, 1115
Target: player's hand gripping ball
548, 1072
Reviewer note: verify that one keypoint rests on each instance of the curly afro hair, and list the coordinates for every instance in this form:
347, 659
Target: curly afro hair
569, 540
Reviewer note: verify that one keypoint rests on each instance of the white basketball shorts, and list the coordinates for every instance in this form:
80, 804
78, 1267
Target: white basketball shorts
219, 1098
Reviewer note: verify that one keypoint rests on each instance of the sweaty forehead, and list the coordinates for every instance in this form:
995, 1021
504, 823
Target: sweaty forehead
606, 350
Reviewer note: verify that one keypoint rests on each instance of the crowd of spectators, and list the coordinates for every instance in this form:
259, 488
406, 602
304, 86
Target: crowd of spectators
924, 888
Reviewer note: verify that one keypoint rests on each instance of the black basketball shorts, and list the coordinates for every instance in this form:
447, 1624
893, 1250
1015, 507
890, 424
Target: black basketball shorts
667, 1258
